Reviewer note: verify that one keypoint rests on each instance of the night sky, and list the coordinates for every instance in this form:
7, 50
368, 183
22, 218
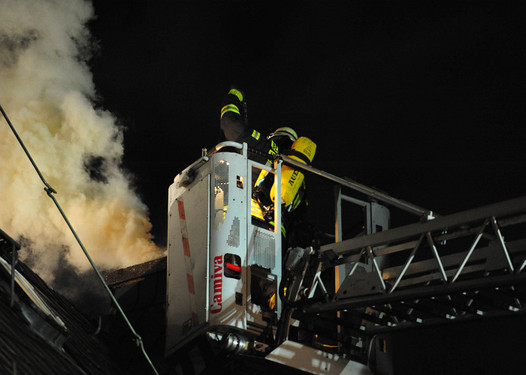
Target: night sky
423, 101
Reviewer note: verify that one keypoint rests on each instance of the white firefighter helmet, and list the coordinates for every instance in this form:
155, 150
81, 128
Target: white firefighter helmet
284, 131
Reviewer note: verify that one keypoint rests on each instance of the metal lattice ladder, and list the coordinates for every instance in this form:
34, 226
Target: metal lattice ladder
459, 266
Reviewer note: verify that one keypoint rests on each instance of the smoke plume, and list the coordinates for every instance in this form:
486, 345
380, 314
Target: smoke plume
47, 90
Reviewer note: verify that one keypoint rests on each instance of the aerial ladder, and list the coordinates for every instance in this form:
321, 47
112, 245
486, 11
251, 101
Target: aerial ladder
328, 308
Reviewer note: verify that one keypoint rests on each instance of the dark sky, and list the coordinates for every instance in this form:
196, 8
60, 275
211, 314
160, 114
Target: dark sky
423, 100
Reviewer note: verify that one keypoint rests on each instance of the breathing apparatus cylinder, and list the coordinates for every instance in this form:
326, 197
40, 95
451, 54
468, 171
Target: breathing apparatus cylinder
302, 150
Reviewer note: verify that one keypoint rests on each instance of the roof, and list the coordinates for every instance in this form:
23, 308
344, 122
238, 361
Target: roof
42, 332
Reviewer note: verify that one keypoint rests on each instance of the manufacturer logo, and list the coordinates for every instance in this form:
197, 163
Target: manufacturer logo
217, 277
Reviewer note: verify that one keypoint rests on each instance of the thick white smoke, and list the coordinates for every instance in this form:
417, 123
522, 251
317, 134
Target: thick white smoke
47, 90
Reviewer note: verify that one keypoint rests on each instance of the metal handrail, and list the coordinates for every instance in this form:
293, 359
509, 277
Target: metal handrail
373, 193
221, 145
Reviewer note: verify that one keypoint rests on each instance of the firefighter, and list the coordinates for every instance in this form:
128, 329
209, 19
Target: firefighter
284, 140
234, 124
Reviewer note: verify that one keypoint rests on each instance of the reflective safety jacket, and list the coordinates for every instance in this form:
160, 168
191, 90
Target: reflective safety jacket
235, 128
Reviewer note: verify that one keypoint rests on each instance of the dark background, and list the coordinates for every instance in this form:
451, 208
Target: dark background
423, 100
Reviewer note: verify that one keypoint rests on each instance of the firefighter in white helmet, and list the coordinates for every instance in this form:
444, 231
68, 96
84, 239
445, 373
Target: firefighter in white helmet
234, 124
284, 140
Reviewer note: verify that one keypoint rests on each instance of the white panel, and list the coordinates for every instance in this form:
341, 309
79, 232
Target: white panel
228, 235
181, 304
315, 361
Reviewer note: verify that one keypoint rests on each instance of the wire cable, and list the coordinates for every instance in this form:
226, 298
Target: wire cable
50, 191
26, 150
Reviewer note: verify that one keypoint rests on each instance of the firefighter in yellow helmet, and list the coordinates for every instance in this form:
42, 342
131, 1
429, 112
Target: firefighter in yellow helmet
284, 140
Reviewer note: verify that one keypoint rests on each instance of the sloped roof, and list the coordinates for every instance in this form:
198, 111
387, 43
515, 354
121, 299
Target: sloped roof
35, 341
